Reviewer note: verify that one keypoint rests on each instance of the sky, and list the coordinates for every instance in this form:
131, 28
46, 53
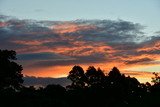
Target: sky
51, 36
145, 12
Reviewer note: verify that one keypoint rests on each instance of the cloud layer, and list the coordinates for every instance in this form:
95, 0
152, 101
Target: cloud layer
44, 44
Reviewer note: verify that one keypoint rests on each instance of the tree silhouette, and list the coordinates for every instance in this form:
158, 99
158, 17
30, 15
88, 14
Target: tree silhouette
156, 86
77, 76
54, 90
10, 71
94, 77
126, 82
114, 78
156, 79
114, 73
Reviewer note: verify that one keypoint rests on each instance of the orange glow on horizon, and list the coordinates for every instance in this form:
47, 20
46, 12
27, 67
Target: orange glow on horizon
63, 71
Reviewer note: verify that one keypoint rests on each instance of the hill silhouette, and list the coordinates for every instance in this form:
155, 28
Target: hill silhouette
90, 88
44, 81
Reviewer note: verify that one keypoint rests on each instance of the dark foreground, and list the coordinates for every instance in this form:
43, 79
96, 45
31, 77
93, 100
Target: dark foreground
93, 90
90, 88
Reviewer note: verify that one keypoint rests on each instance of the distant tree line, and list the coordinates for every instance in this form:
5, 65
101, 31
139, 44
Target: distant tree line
90, 88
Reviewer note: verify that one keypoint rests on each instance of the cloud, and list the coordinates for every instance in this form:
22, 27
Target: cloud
42, 56
62, 43
139, 61
70, 27
96, 58
151, 46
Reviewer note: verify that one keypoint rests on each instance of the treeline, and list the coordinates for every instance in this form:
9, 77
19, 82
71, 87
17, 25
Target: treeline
90, 88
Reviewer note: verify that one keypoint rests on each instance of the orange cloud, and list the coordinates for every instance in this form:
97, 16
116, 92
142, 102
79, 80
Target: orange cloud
3, 24
69, 27
84, 49
150, 47
33, 42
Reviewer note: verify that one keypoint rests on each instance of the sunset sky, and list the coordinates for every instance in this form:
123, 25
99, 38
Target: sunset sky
51, 36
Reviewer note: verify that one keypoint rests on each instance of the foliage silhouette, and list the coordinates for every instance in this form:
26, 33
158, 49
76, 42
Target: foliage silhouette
54, 90
95, 77
10, 71
156, 79
77, 76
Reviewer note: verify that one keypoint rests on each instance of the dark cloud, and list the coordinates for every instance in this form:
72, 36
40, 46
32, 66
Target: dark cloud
157, 32
42, 56
58, 43
139, 61
111, 31
96, 58
151, 46
151, 52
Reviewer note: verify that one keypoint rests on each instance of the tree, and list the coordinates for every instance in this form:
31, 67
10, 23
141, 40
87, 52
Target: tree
156, 84
53, 90
156, 79
94, 77
118, 79
114, 77
114, 73
77, 76
10, 71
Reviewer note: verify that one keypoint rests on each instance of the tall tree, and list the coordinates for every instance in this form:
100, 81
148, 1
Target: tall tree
114, 73
10, 71
94, 76
77, 76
